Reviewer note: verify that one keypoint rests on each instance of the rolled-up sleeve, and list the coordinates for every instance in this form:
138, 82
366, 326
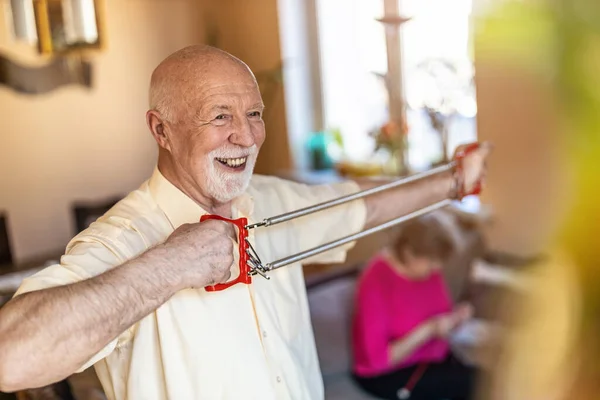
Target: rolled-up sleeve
84, 260
327, 225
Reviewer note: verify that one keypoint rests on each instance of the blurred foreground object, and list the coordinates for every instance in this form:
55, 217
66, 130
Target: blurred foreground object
553, 349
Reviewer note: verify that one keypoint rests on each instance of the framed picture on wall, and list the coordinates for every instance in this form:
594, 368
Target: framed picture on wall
67, 26
5, 245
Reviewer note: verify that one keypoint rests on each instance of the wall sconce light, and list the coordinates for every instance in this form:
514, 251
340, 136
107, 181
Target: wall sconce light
67, 26
23, 21
65, 30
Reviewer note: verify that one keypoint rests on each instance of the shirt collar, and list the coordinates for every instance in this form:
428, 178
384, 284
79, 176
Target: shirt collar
181, 209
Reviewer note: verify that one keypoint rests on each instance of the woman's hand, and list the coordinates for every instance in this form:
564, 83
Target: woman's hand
444, 324
463, 312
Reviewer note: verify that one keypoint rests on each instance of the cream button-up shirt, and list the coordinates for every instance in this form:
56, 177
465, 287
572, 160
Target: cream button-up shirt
246, 342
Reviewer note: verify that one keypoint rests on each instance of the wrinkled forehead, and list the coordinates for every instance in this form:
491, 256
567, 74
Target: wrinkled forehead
230, 82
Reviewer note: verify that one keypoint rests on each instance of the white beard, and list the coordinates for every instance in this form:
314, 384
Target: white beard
225, 186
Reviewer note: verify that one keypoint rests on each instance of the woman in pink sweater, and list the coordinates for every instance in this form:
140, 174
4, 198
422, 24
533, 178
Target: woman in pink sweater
403, 316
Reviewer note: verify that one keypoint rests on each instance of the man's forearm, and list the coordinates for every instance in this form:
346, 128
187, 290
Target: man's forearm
405, 199
65, 326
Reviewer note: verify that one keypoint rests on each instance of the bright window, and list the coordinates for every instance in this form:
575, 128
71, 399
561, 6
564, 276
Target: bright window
436, 67
353, 59
438, 72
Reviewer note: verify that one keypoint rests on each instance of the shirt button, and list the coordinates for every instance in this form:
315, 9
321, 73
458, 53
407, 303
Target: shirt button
278, 379
264, 333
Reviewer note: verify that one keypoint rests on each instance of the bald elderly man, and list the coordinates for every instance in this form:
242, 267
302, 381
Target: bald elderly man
128, 297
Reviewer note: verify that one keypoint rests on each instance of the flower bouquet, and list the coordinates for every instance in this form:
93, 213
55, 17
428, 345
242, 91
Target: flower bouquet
392, 138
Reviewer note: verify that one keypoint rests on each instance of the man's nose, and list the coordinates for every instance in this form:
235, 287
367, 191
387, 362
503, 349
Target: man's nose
242, 134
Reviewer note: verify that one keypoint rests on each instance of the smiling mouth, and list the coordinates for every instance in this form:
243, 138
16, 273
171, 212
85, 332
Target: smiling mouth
233, 163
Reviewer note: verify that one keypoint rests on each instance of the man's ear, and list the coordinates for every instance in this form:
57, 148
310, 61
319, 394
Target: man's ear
158, 128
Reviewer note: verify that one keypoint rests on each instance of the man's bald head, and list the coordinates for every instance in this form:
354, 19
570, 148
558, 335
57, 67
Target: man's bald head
206, 117
181, 76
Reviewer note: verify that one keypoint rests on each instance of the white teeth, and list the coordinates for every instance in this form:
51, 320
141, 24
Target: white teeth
233, 162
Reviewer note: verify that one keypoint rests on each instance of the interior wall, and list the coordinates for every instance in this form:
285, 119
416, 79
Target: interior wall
250, 31
77, 143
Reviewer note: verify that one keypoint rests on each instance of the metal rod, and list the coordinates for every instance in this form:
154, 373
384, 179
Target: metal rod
257, 268
354, 196
339, 242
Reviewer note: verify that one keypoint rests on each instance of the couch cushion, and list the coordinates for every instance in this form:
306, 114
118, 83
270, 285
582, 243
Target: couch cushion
331, 313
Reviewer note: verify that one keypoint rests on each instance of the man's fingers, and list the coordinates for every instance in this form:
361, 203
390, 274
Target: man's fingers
486, 148
231, 231
224, 227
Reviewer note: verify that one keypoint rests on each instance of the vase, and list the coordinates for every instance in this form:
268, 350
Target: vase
318, 149
396, 164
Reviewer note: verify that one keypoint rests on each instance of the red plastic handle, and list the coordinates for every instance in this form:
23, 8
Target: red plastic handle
244, 276
460, 155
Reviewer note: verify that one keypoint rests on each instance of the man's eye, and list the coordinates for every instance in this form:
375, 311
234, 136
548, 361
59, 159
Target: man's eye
221, 120
254, 114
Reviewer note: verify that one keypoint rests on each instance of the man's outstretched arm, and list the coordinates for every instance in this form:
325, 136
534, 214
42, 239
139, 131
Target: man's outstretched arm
47, 335
405, 199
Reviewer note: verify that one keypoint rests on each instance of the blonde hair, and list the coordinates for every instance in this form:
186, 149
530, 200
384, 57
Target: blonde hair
424, 237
